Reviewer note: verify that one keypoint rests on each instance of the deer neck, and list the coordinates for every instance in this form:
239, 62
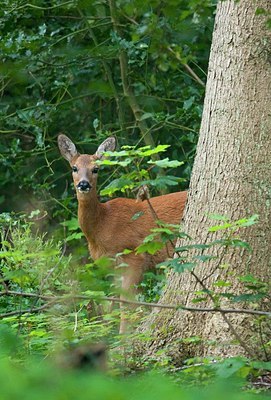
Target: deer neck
89, 213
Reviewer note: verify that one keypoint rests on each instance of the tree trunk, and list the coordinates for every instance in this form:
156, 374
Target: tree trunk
232, 177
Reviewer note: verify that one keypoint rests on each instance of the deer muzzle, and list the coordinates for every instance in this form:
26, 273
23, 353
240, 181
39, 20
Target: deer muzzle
83, 187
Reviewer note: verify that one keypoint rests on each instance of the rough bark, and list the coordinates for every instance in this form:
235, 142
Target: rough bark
232, 177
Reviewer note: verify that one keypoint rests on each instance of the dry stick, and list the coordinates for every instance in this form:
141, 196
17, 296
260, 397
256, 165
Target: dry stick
55, 299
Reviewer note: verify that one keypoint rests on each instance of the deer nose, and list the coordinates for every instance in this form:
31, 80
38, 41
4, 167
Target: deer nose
84, 186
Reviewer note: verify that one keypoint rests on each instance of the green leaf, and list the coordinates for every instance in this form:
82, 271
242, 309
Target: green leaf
229, 367
122, 153
264, 365
74, 236
137, 215
249, 278
240, 243
94, 294
104, 262
161, 182
149, 247
220, 227
192, 339
177, 265
221, 283
124, 163
244, 222
165, 163
71, 224
193, 246
145, 116
118, 184
248, 221
158, 149
204, 258
248, 297
218, 217
127, 251
199, 300
162, 230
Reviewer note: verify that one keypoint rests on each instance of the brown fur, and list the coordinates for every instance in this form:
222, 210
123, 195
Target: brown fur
110, 228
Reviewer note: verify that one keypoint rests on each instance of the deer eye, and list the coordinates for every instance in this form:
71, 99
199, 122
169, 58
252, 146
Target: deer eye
95, 170
74, 168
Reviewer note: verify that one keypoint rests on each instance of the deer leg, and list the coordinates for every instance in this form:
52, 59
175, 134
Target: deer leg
130, 278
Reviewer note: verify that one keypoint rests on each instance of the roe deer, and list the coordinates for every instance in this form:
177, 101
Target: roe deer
109, 227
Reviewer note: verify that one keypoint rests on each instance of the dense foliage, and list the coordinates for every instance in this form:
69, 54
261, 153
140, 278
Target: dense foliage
61, 72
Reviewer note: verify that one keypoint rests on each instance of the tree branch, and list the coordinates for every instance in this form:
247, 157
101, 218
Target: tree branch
27, 311
121, 114
186, 66
128, 92
55, 299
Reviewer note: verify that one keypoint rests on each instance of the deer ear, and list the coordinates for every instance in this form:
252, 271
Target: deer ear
108, 145
66, 147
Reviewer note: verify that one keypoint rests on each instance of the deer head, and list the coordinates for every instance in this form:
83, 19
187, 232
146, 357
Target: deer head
84, 166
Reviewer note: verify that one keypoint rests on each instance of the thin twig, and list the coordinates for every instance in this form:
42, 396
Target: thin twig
228, 322
29, 5
107, 69
186, 66
28, 311
55, 299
